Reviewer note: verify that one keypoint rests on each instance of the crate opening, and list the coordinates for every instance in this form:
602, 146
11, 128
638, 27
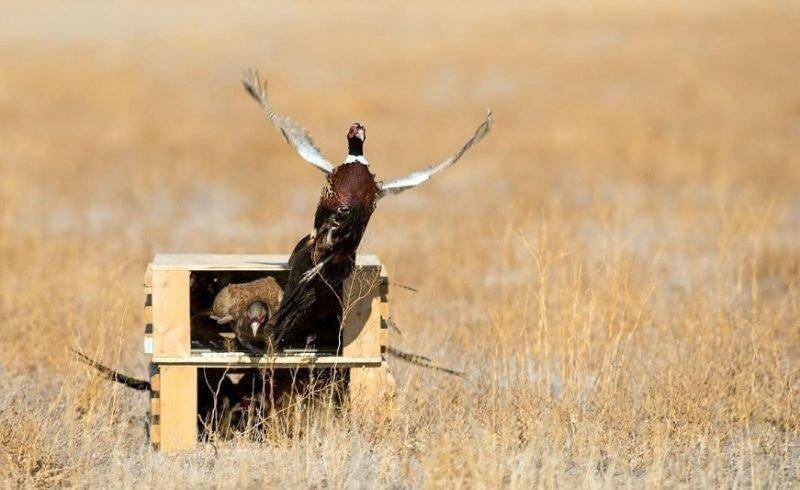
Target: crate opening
209, 336
252, 402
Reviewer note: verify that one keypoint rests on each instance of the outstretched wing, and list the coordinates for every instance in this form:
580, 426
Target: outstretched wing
397, 186
295, 134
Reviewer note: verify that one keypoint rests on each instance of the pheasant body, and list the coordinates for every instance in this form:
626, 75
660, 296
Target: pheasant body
247, 307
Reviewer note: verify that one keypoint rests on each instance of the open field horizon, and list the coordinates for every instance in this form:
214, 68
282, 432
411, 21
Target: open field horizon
615, 267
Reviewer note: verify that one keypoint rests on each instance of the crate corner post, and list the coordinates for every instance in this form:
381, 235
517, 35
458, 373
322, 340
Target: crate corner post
177, 408
171, 313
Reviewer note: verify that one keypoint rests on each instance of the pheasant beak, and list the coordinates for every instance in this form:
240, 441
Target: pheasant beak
357, 130
254, 325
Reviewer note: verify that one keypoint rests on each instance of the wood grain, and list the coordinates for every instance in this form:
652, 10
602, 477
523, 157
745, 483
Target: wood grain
178, 417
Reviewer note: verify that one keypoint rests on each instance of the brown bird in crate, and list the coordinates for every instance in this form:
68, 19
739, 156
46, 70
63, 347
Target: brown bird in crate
248, 307
322, 260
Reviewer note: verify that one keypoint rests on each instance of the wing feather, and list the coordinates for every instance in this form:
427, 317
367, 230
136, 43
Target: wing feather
294, 134
397, 186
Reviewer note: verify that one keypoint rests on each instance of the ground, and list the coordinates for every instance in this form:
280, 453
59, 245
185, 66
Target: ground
615, 267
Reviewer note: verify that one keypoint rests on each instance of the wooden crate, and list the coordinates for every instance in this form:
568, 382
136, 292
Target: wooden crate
175, 363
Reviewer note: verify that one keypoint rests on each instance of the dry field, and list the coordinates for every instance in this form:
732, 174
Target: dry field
617, 267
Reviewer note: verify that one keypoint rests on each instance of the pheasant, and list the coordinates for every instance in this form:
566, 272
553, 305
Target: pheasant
248, 306
322, 260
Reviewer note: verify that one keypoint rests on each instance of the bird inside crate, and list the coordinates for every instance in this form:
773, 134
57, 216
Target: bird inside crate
230, 311
204, 304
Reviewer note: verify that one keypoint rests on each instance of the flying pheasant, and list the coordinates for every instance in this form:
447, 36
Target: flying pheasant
248, 306
322, 260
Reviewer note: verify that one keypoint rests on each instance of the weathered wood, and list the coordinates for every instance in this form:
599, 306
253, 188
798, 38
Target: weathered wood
147, 313
221, 359
384, 307
384, 334
155, 436
171, 316
155, 379
147, 316
233, 262
148, 276
155, 406
371, 390
384, 283
361, 324
178, 408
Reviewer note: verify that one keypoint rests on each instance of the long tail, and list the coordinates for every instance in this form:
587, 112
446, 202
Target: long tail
421, 361
403, 286
110, 374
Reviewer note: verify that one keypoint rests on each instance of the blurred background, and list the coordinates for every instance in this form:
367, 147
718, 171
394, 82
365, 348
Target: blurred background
615, 266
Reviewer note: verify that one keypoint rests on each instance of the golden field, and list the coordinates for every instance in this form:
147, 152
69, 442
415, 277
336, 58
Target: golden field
616, 266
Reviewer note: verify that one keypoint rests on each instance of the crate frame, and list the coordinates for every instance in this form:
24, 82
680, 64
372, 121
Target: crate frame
174, 366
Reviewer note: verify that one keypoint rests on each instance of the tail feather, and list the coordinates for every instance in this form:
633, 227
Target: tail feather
403, 286
421, 361
112, 375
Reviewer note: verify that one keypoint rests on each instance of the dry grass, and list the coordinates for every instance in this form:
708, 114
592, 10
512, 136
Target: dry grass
616, 267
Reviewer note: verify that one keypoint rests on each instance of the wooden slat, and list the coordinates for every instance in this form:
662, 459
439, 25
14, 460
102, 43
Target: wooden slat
171, 335
384, 284
384, 310
384, 336
178, 407
155, 381
361, 326
242, 360
147, 344
148, 328
199, 262
384, 307
155, 405
384, 292
148, 276
384, 320
155, 436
